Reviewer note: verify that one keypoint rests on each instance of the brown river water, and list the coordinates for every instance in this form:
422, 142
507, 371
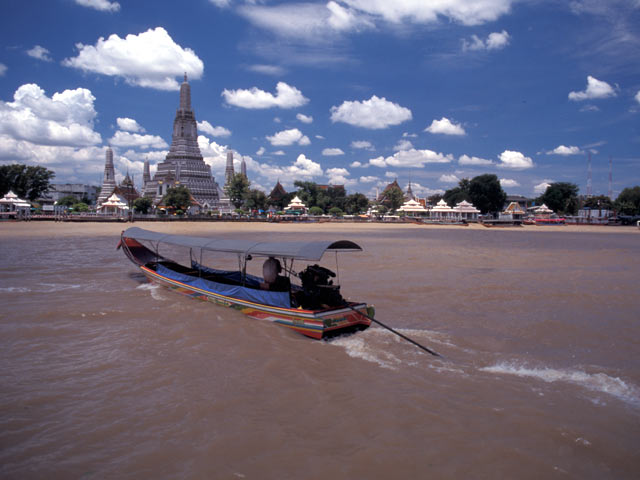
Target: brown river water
106, 376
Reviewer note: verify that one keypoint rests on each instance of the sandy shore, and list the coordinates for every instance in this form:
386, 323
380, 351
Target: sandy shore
46, 229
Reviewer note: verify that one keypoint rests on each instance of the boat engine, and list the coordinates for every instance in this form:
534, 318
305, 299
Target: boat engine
318, 288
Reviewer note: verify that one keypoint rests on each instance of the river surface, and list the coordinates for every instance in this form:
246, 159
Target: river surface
106, 376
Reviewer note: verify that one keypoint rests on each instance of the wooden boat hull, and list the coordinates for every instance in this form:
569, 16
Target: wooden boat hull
316, 324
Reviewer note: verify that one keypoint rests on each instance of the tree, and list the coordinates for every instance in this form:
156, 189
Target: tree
256, 200
601, 201
392, 198
336, 212
25, 181
356, 203
457, 194
237, 189
67, 201
80, 207
486, 193
142, 205
561, 197
316, 210
628, 202
434, 199
178, 198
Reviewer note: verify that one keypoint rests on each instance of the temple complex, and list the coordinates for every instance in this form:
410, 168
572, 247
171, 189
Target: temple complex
109, 180
184, 164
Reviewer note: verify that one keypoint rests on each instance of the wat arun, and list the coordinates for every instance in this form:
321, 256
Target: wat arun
184, 164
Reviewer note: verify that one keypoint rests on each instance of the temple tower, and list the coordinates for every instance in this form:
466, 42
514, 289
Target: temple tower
146, 175
184, 164
109, 180
243, 168
229, 172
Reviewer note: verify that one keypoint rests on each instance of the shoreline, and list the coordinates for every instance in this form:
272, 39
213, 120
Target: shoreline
45, 229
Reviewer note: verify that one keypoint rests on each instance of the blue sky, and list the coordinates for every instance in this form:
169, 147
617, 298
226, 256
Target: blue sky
353, 92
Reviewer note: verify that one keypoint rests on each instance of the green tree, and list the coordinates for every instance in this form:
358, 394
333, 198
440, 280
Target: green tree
457, 194
255, 200
28, 182
434, 199
336, 212
486, 193
561, 197
142, 205
601, 201
308, 193
356, 203
80, 207
67, 201
178, 198
315, 210
392, 198
237, 189
628, 202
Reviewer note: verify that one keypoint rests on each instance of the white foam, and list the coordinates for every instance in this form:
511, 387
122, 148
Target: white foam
597, 382
14, 290
357, 347
153, 289
58, 287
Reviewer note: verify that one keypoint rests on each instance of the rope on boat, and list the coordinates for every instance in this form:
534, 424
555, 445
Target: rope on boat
404, 337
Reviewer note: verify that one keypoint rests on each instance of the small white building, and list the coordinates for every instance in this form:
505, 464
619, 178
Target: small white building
296, 205
14, 207
413, 208
114, 206
442, 211
466, 211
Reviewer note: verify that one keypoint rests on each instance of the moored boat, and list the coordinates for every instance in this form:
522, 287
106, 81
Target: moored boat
314, 307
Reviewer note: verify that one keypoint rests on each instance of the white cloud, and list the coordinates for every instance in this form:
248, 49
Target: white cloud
595, 89
390, 174
3, 69
280, 153
129, 125
332, 152
403, 145
637, 97
260, 151
356, 164
495, 41
288, 137
542, 187
467, 160
368, 179
126, 139
508, 183
304, 118
303, 168
424, 191
102, 5
221, 3
375, 113
449, 178
267, 70
40, 53
319, 137
362, 144
150, 59
514, 160
562, 150
411, 158
445, 127
206, 127
338, 176
64, 119
286, 97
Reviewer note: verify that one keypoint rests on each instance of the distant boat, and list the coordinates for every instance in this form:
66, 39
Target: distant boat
315, 308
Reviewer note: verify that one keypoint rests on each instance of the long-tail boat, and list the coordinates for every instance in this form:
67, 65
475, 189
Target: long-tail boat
314, 307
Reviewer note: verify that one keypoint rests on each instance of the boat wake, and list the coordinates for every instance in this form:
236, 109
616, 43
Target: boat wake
153, 289
595, 382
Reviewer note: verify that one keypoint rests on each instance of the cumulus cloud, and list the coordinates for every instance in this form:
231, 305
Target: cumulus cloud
355, 164
288, 137
129, 125
102, 5
260, 151
403, 145
514, 160
332, 152
303, 168
207, 128
565, 151
338, 176
150, 59
595, 89
286, 97
444, 126
368, 179
40, 53
64, 119
319, 20
637, 97
363, 144
126, 139
495, 41
467, 160
508, 183
542, 187
449, 178
274, 70
375, 113
304, 118
3, 69
411, 158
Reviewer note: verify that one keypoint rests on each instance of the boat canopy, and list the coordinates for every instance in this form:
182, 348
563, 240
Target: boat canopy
294, 250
